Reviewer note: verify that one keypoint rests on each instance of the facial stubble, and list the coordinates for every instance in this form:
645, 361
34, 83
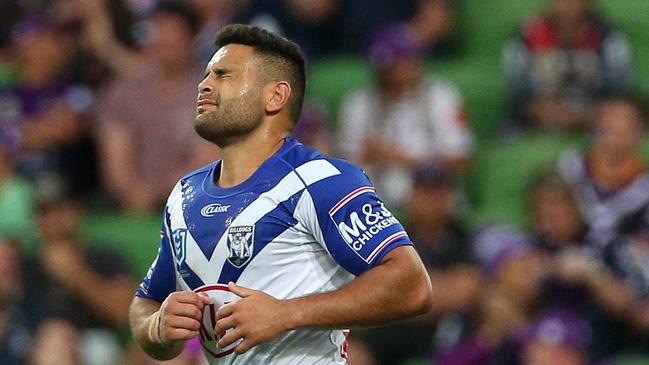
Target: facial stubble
233, 119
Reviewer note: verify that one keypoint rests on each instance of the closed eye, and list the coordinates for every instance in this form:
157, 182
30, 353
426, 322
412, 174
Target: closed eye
221, 72
218, 72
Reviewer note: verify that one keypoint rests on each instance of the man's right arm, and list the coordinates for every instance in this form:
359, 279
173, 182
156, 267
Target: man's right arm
161, 317
162, 329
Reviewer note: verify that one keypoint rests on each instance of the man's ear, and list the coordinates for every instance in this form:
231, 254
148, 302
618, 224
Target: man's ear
276, 95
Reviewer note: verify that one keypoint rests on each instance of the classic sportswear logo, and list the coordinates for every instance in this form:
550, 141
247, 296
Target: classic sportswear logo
214, 208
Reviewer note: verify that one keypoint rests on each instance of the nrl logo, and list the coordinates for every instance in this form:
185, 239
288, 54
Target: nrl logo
241, 241
180, 244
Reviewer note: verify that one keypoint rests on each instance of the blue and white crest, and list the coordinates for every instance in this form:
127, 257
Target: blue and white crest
180, 244
241, 242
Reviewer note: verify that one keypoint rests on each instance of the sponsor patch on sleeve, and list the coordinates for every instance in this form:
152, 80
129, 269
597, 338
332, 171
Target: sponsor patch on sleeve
365, 224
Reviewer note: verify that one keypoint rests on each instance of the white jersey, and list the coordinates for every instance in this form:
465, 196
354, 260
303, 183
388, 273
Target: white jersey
303, 223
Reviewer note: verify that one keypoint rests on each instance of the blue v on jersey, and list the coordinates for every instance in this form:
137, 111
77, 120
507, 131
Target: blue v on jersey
303, 223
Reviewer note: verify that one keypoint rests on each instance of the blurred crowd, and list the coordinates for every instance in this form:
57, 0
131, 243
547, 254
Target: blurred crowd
97, 99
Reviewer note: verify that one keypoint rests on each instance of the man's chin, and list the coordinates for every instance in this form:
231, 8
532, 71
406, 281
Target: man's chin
203, 129
203, 116
202, 124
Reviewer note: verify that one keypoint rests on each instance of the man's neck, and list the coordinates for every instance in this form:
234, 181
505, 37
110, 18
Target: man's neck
241, 159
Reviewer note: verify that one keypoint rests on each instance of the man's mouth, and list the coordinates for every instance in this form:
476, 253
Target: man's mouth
206, 104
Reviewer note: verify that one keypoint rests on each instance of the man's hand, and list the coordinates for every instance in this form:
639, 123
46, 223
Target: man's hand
180, 317
255, 318
578, 267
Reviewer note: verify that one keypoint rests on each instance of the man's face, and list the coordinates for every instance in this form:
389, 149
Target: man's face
431, 203
229, 97
404, 72
570, 11
169, 40
618, 127
555, 216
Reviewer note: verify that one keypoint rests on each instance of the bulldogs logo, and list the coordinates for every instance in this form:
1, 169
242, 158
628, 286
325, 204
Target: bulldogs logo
241, 242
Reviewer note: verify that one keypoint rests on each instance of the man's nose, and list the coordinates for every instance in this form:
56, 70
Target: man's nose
204, 87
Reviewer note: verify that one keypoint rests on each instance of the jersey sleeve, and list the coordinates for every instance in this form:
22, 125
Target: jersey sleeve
348, 219
160, 280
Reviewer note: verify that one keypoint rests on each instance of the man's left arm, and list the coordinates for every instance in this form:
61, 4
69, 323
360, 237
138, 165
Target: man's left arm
398, 287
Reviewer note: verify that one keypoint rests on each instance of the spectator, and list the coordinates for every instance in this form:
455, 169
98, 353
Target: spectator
15, 331
43, 118
434, 222
84, 286
578, 278
444, 248
145, 120
561, 62
88, 284
96, 68
405, 119
513, 271
554, 218
610, 179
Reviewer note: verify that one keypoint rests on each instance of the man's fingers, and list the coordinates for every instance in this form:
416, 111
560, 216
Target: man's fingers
182, 323
185, 310
190, 298
204, 298
225, 310
240, 290
244, 346
224, 324
229, 338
